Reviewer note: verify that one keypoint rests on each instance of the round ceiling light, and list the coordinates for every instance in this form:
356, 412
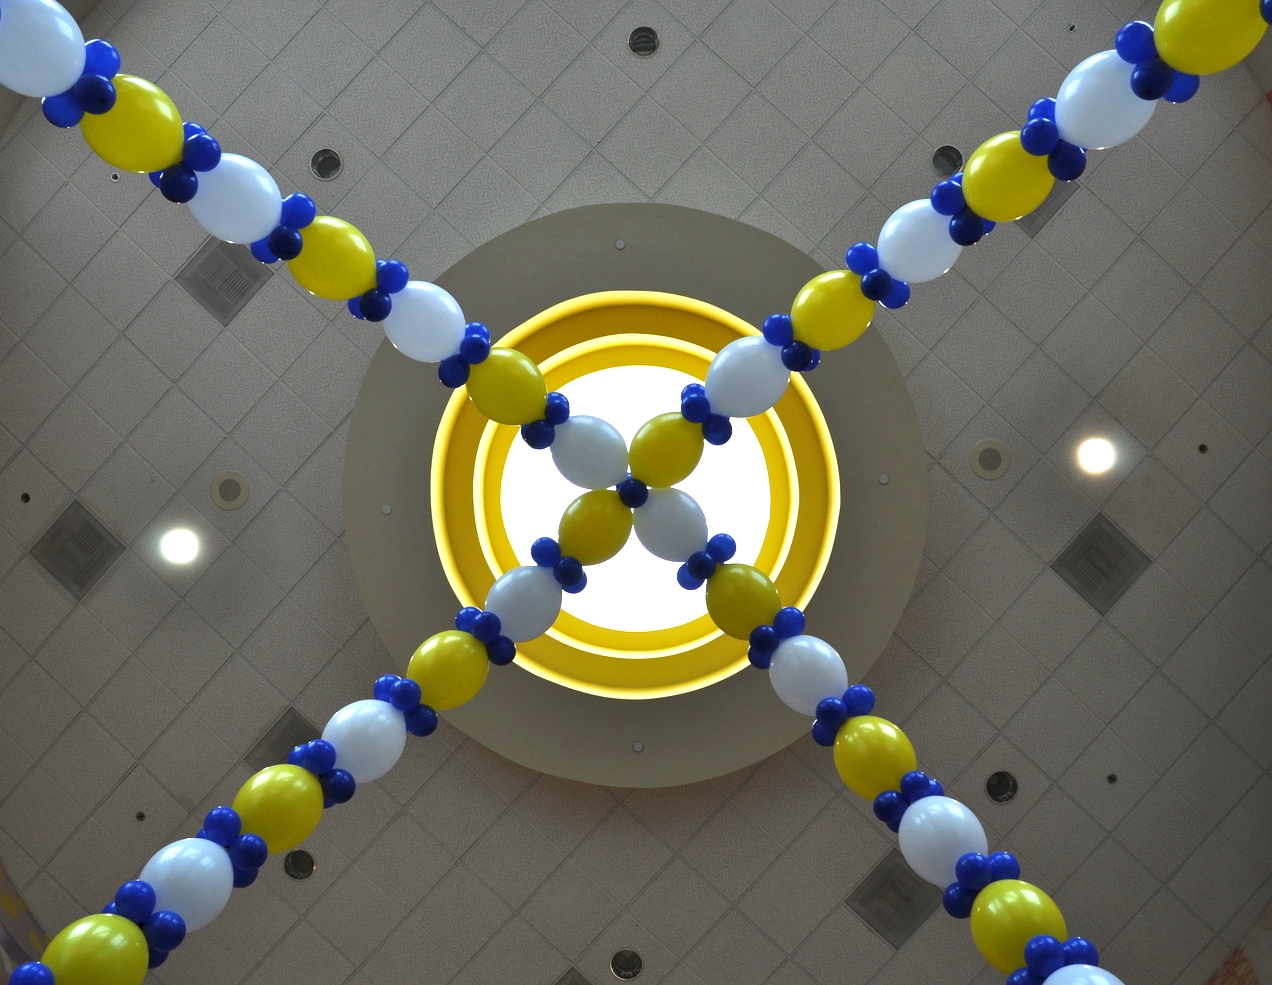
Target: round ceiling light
179, 546
1096, 455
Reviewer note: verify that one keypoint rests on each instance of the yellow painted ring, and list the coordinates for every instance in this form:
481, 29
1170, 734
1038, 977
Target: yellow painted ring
581, 336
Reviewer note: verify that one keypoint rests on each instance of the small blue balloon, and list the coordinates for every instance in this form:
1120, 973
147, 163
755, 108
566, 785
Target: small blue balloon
967, 228
189, 128
376, 304
796, 356
1135, 42
722, 547
1151, 80
164, 930
474, 349
915, 786
1043, 109
299, 210
957, 900
900, 295
947, 197
486, 627
764, 640
813, 362
567, 570
155, 958
383, 686
179, 183
286, 243
243, 877
859, 700
777, 330
889, 807
31, 973
260, 249
1023, 976
135, 900
538, 434
339, 786
544, 552
717, 429
465, 618
501, 651
578, 586
155, 177
973, 870
876, 284
832, 711
1079, 950
688, 582
248, 851
320, 757
1185, 86
694, 405
1039, 137
101, 58
556, 409
701, 565
1265, 8
223, 825
94, 93
422, 721
296, 756
1004, 865
861, 258
1067, 161
391, 275
62, 111
632, 493
203, 153
821, 732
477, 329
788, 622
1043, 955
452, 371
110, 907
989, 226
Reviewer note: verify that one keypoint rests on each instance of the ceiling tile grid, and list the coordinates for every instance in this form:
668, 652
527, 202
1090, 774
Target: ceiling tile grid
1140, 311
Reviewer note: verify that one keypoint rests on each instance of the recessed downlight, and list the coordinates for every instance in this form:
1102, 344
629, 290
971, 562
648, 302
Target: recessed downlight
179, 546
1096, 455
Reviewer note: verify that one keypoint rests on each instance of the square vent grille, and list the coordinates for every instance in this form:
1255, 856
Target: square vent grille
1101, 563
573, 977
1060, 193
223, 277
77, 549
893, 900
291, 729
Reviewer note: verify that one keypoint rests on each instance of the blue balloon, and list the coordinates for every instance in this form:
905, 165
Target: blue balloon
1004, 865
501, 651
900, 295
178, 183
1135, 42
473, 349
62, 111
777, 330
299, 210
934, 787
203, 153
1043, 955
1079, 950
556, 408
694, 405
453, 371
111, 908
156, 958
355, 308
915, 786
31, 973
796, 356
391, 275
701, 565
94, 93
320, 757
1152, 79
544, 552
478, 329
339, 786
164, 930
486, 627
567, 570
260, 249
286, 243
1023, 976
422, 721
578, 586
632, 493
190, 128
155, 177
244, 877
1265, 8
973, 871
861, 258
822, 733
889, 807
947, 197
722, 547
1039, 137
465, 617
832, 711
248, 851
1067, 161
788, 622
1043, 109
967, 228
717, 429
538, 434
382, 689
859, 700
814, 362
376, 305
989, 226
763, 640
135, 900
101, 58
688, 582
876, 284
1185, 86
223, 825
957, 900
295, 757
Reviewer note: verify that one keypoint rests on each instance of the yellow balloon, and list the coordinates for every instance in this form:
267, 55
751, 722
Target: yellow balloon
104, 949
872, 755
1002, 181
1007, 914
1206, 36
665, 450
739, 598
141, 132
336, 262
450, 668
282, 804
830, 311
507, 387
595, 526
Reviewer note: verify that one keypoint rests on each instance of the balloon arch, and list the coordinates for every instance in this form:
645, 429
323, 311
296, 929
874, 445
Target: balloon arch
134, 126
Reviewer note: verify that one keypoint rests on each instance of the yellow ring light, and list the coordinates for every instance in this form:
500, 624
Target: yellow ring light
582, 336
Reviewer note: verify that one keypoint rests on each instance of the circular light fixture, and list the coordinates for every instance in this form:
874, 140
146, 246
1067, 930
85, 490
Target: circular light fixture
1001, 787
990, 459
1096, 455
643, 41
626, 964
946, 160
299, 864
326, 164
179, 546
229, 490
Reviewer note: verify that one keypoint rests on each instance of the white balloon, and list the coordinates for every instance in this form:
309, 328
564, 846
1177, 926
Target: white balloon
935, 833
41, 48
806, 669
1082, 974
1096, 107
671, 525
746, 378
192, 877
426, 323
237, 201
527, 601
369, 737
915, 245
590, 453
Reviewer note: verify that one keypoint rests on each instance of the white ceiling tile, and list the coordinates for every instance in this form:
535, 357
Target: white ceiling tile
1241, 394
29, 391
861, 35
537, 45
1091, 344
905, 348
280, 432
274, 111
69, 208
901, 681
808, 86
48, 497
411, 954
135, 707
302, 953
234, 596
1021, 71
20, 201
591, 95
998, 676
1049, 619
1243, 720
1196, 341
843, 950
73, 442
1240, 501
1240, 926
957, 457
648, 145
892, 82
942, 624
679, 906
1052, 728
486, 202
42, 815
1235, 179
219, 64
1147, 397
296, 166
70, 336
268, 25
1046, 510
752, 36
355, 915
612, 42
1206, 558
1118, 181
966, 32
1141, 289
226, 380
1202, 449
699, 90
1111, 886
189, 759
1246, 825
994, 567
704, 180
865, 160
944, 403
948, 732
81, 655
239, 704
984, 348
323, 57
1152, 506
1164, 936
1191, 234
374, 21
377, 106
1040, 401
788, 903
1237, 287
1088, 780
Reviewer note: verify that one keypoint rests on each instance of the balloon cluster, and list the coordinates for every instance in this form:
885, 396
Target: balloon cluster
133, 125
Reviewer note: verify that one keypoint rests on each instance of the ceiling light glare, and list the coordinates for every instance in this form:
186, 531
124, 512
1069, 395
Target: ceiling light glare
1096, 455
179, 546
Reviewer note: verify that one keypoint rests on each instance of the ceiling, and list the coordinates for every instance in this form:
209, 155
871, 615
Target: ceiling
1140, 313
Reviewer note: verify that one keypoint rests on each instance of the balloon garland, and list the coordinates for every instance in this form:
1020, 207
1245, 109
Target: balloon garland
133, 125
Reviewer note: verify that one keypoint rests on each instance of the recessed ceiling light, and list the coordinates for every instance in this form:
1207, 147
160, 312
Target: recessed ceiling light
180, 546
1096, 455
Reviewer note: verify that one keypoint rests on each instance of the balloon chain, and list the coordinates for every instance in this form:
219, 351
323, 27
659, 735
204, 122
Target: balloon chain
133, 125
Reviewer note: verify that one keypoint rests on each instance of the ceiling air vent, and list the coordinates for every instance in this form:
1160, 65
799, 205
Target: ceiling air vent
223, 277
1101, 563
284, 735
573, 977
893, 900
1061, 192
77, 549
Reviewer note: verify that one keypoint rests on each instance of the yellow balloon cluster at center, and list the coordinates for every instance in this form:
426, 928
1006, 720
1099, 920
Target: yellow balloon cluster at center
142, 132
102, 949
595, 526
507, 387
282, 804
450, 668
1206, 36
336, 262
1002, 181
665, 450
830, 311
